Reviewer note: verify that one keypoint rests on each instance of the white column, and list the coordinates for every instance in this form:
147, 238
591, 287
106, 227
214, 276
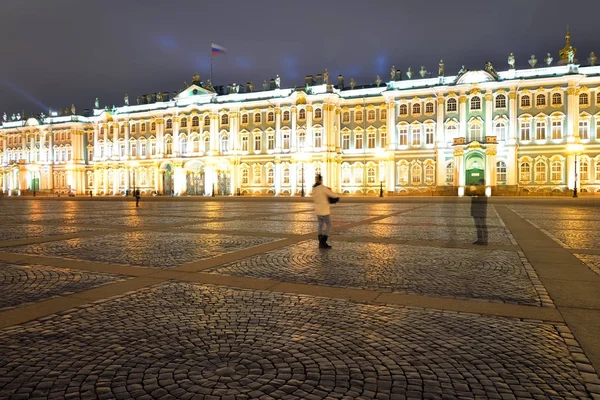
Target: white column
572, 114
489, 129
105, 181
234, 130
115, 141
391, 125
105, 127
293, 177
310, 141
278, 172
512, 165
459, 169
293, 133
278, 134
214, 133
175, 125
440, 143
160, 138
463, 115
127, 148
570, 169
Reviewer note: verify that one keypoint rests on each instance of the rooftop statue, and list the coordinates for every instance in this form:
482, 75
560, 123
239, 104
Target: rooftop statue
409, 73
462, 71
571, 55
489, 68
393, 73
97, 103
441, 68
352, 83
265, 86
592, 58
378, 80
250, 87
4, 117
73, 110
277, 82
326, 77
533, 61
548, 60
423, 71
511, 61
126, 99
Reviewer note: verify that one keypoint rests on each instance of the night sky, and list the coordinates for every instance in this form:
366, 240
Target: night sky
54, 53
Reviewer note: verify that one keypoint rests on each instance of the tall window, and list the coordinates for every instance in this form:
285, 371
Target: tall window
169, 124
371, 175
301, 140
540, 100
169, 146
383, 114
598, 171
556, 170
270, 176
451, 105
476, 103
318, 139
206, 144
429, 134
403, 135
244, 143
286, 139
416, 135
584, 99
415, 175
345, 141
346, 175
556, 129
540, 130
302, 114
451, 133
476, 132
183, 145
500, 131
270, 141
358, 141
540, 172
371, 140
403, 174
556, 99
429, 173
371, 115
270, 117
383, 139
224, 143
584, 130
525, 171
501, 172
584, 170
256, 175
257, 143
501, 101
245, 174
224, 119
525, 130
244, 119
450, 173
183, 123
286, 176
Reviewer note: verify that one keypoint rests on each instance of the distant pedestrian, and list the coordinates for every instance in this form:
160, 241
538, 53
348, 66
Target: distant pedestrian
479, 213
323, 197
137, 197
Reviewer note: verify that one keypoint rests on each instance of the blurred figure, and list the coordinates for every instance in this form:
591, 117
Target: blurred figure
137, 197
323, 197
479, 213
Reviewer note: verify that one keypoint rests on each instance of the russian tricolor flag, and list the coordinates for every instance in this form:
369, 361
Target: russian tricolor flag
216, 49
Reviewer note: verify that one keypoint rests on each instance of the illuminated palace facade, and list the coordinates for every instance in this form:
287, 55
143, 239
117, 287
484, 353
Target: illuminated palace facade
518, 131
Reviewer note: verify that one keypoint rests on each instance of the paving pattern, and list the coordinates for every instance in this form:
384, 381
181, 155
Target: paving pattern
482, 324
496, 275
30, 283
147, 249
181, 339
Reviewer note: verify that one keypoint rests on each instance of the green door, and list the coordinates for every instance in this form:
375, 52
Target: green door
473, 176
474, 169
35, 184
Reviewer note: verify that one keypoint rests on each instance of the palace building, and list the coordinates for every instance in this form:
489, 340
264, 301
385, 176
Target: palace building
534, 130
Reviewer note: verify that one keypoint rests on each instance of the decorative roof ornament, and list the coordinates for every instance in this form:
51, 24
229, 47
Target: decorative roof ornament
409, 73
196, 79
393, 73
352, 83
441, 68
564, 53
126, 99
378, 80
265, 86
4, 117
277, 82
548, 60
96, 104
423, 71
489, 68
18, 116
13, 117
250, 87
532, 61
326, 77
462, 71
592, 59
511, 61
42, 116
73, 110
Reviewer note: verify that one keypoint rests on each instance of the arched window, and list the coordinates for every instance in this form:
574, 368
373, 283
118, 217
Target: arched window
429, 173
556, 171
168, 146
224, 143
450, 173
383, 114
346, 117
286, 116
403, 174
429, 108
206, 120
540, 100
358, 175
476, 103
525, 171
556, 99
318, 139
245, 174
476, 132
346, 175
415, 175
584, 99
206, 144
244, 119
598, 100
371, 175
169, 124
598, 171
183, 145
540, 171
500, 131
286, 176
525, 101
358, 115
302, 114
196, 144
403, 110
183, 122
371, 140
256, 175
451, 133
270, 117
257, 118
416, 108
111, 131
153, 127
195, 121
501, 101
584, 170
270, 176
318, 113
301, 140
371, 115
501, 173
224, 119
122, 129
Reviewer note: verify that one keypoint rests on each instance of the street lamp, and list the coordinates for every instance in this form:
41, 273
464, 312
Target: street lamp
576, 149
381, 155
302, 157
380, 188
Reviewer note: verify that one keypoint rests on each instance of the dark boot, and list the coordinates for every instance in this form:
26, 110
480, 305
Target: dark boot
324, 244
320, 240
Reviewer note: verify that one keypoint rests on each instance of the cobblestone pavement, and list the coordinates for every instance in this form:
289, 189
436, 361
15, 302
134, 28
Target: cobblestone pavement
147, 249
22, 284
180, 339
466, 273
433, 317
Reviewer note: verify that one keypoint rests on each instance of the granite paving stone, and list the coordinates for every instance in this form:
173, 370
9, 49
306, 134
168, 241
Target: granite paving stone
143, 248
26, 231
497, 275
222, 342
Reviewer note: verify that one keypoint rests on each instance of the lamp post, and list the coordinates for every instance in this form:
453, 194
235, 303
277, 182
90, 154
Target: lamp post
576, 149
302, 190
133, 165
380, 188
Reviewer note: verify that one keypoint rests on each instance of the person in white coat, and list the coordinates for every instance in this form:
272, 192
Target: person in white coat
321, 195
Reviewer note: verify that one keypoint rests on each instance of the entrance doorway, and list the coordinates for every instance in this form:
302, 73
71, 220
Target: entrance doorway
224, 187
168, 184
475, 172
